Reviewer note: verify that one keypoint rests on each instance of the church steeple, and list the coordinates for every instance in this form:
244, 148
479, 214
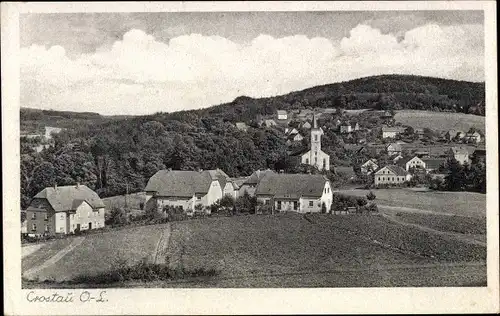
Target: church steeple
315, 136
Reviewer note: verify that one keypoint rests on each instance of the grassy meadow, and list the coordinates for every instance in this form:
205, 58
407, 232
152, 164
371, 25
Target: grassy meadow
440, 120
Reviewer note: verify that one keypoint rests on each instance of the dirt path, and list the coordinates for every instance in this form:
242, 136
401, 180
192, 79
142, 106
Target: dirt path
28, 250
55, 258
159, 256
458, 236
412, 210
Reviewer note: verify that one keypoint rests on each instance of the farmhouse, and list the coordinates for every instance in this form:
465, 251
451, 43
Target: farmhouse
452, 134
49, 131
185, 189
302, 193
391, 132
282, 115
411, 162
250, 184
369, 166
62, 210
393, 149
227, 185
459, 154
315, 156
391, 174
433, 164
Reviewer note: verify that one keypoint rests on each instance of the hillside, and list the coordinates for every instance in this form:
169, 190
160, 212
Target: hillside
110, 154
33, 120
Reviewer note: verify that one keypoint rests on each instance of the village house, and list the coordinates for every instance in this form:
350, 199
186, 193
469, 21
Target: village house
225, 182
391, 174
452, 134
291, 131
315, 156
302, 193
270, 123
251, 182
294, 138
49, 131
396, 158
64, 210
433, 164
282, 115
391, 132
305, 114
349, 127
242, 126
393, 149
408, 163
306, 125
472, 137
460, 154
369, 166
184, 189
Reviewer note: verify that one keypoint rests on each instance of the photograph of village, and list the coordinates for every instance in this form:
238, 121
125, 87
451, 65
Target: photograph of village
253, 149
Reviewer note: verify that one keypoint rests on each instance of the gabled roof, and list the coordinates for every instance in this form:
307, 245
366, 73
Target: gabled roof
270, 123
219, 175
395, 146
67, 198
371, 161
291, 185
404, 160
397, 170
238, 182
459, 151
179, 183
292, 136
257, 176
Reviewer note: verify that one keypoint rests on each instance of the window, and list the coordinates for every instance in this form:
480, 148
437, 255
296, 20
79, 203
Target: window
311, 203
61, 216
47, 228
46, 216
33, 227
316, 138
33, 215
324, 163
383, 178
266, 202
198, 198
279, 205
307, 161
295, 205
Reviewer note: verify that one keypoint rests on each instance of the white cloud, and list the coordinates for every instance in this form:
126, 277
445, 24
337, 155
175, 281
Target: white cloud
140, 74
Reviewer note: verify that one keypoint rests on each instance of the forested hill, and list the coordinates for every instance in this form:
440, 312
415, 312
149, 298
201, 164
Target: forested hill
33, 120
115, 154
379, 92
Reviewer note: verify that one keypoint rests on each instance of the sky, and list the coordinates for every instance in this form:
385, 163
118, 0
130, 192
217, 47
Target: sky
142, 63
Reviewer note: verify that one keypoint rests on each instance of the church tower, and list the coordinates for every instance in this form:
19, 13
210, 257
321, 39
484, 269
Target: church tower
316, 143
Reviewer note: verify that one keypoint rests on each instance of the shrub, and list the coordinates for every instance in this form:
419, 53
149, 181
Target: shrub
323, 208
373, 208
118, 217
371, 196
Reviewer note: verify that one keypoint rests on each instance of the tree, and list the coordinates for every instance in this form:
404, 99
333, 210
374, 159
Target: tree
323, 208
371, 196
455, 179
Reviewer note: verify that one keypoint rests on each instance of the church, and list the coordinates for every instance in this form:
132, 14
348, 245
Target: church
315, 156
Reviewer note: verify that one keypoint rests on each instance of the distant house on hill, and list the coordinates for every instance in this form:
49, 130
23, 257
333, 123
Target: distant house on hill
369, 166
348, 127
393, 149
184, 189
453, 134
460, 154
282, 115
433, 164
411, 162
291, 131
391, 132
302, 193
63, 210
391, 174
242, 126
49, 131
251, 182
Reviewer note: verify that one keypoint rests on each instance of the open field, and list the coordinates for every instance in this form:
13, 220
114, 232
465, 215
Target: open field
284, 250
456, 224
456, 203
97, 253
440, 120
